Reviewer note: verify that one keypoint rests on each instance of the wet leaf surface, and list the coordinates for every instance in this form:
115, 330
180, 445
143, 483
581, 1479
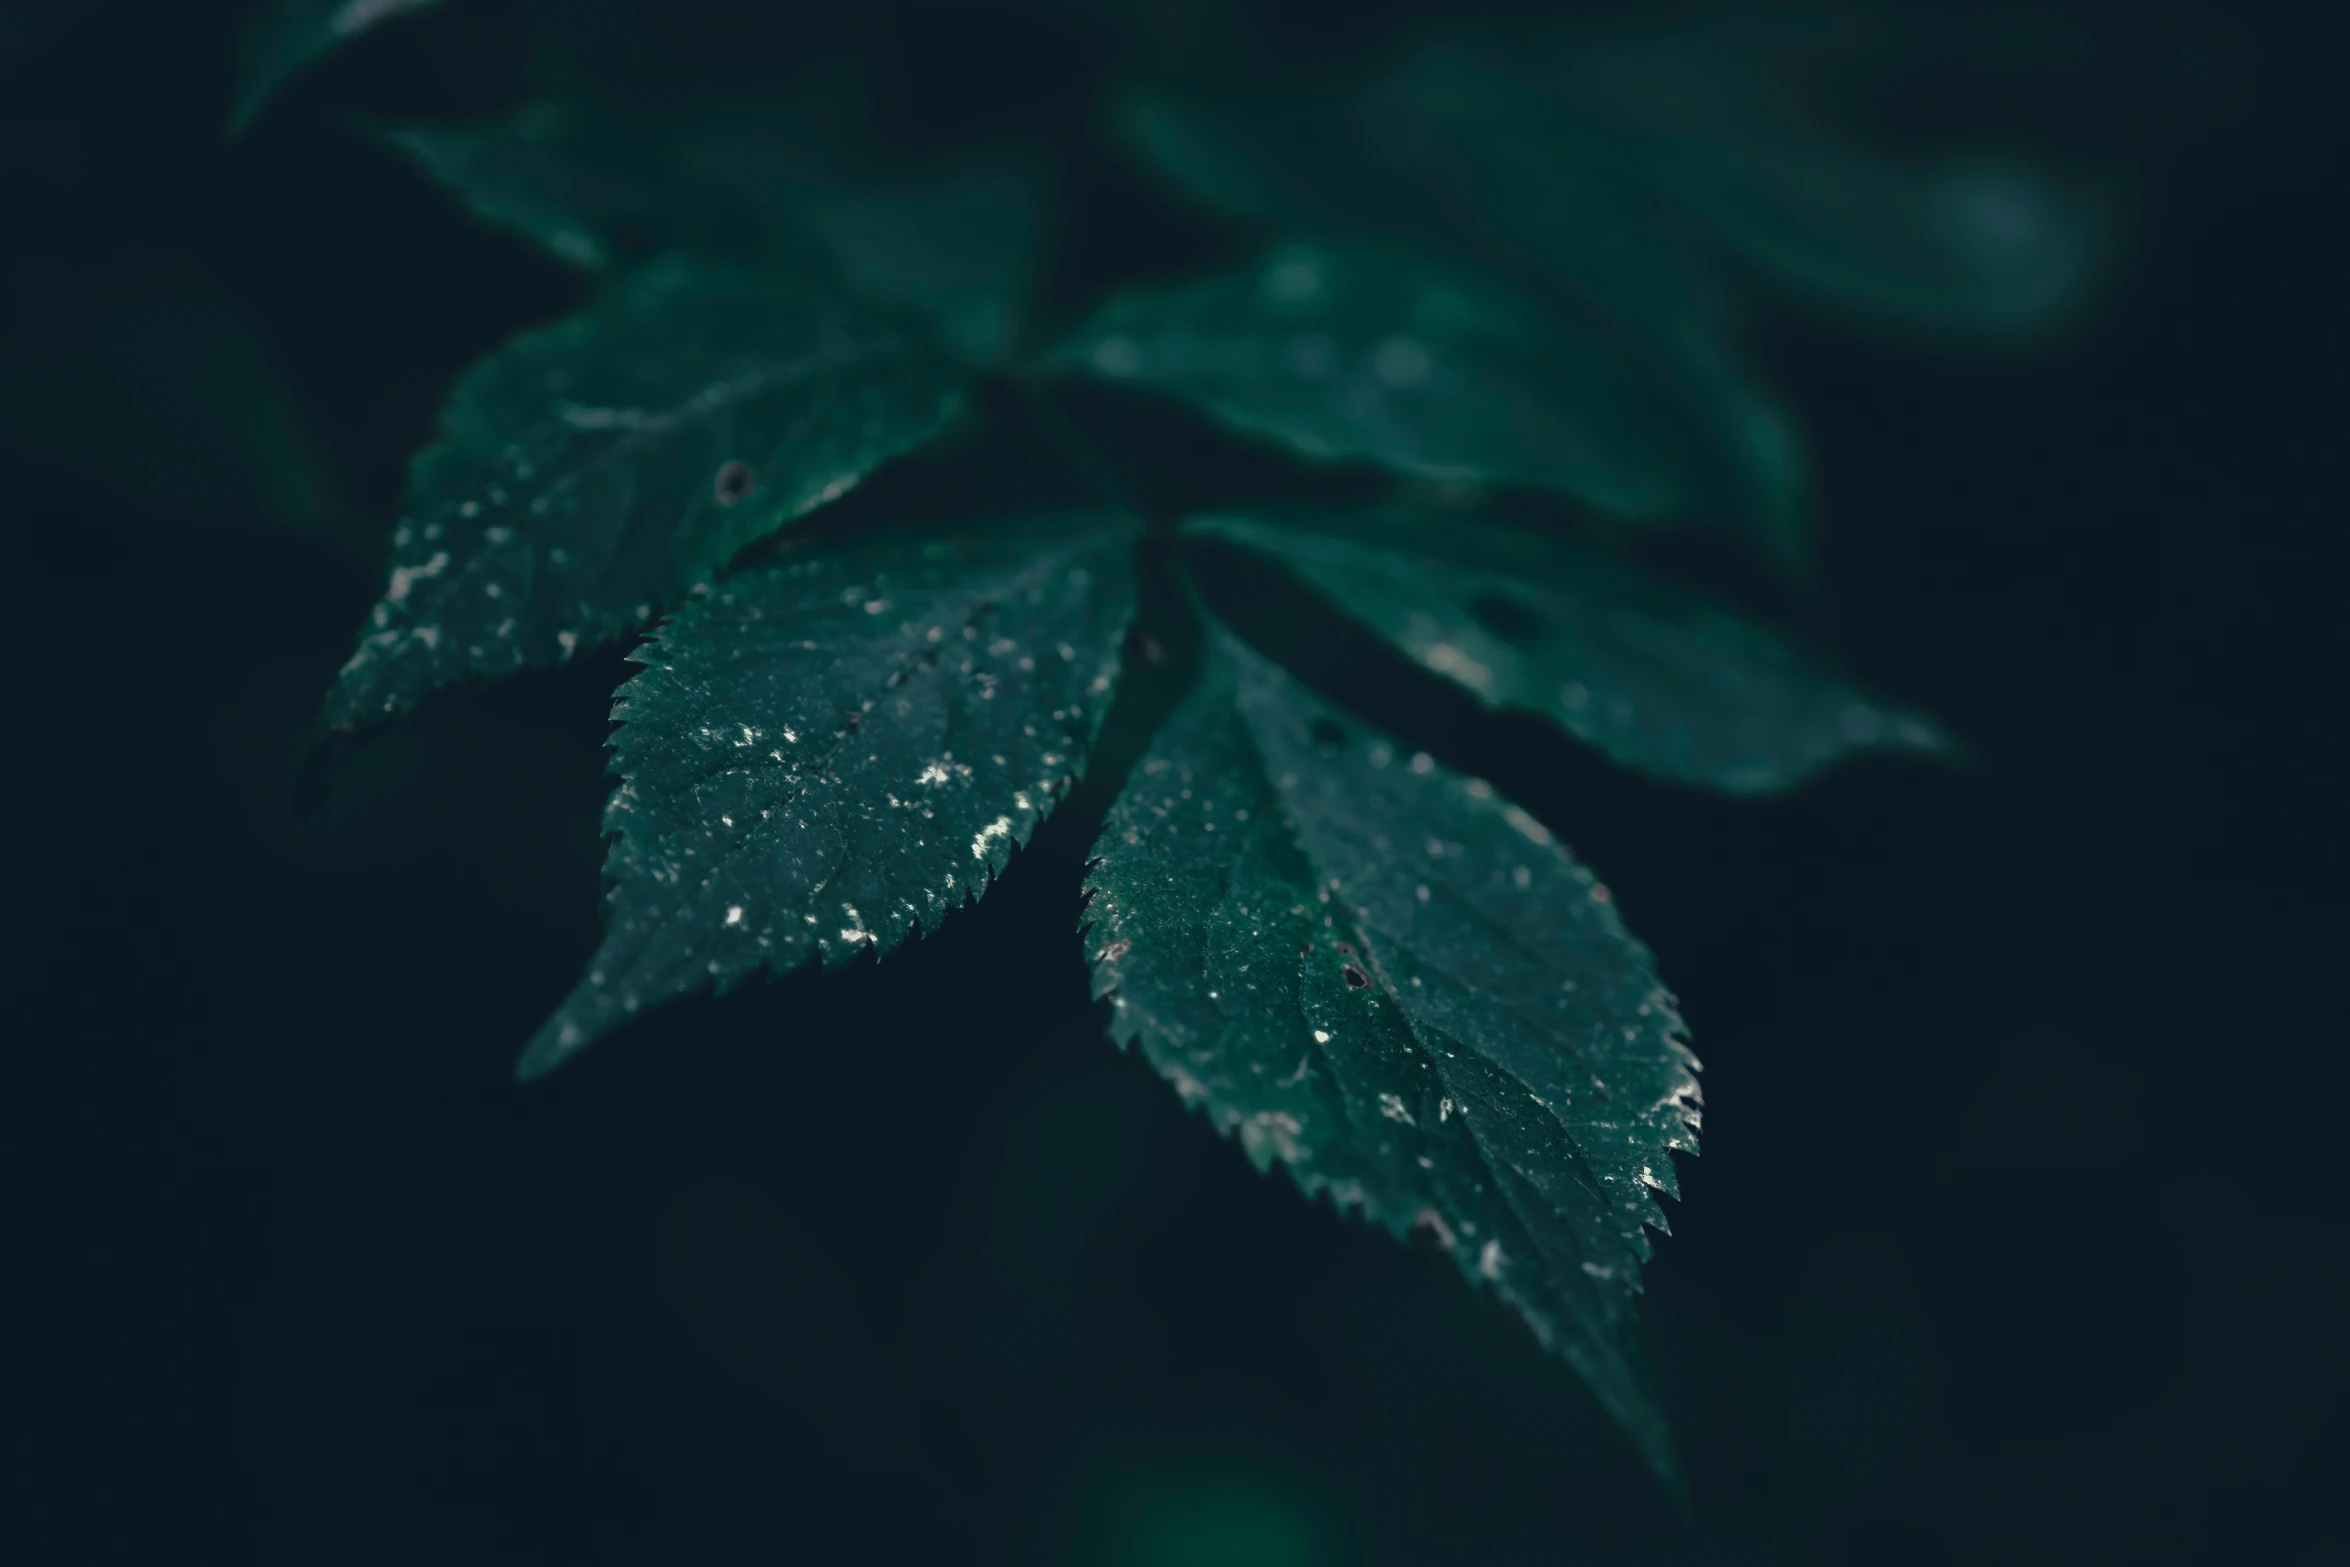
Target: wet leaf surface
1385, 977
834, 749
1655, 674
593, 471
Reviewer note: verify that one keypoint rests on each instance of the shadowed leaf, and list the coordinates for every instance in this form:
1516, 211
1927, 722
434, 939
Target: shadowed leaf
289, 36
956, 246
148, 378
1724, 124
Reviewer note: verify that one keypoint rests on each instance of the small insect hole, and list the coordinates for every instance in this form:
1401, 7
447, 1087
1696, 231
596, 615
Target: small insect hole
1356, 979
1116, 950
734, 482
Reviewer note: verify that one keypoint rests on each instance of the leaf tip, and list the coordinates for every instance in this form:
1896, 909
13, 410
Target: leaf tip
556, 1042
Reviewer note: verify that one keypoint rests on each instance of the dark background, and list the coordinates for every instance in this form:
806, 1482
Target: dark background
2019, 1233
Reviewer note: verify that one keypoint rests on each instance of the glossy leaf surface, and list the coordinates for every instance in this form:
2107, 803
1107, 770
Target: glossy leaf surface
831, 750
1385, 977
287, 37
594, 471
1359, 352
1655, 674
957, 246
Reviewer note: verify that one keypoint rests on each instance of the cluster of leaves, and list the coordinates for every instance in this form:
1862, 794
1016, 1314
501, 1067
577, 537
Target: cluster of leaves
1499, 265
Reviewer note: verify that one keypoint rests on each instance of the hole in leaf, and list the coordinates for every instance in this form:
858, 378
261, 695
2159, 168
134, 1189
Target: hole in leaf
1328, 736
1507, 619
1356, 979
734, 482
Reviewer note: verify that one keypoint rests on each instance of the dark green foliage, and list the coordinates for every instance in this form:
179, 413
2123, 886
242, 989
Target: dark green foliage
1364, 353
288, 36
1496, 277
594, 471
956, 245
1646, 670
1393, 981
159, 355
1612, 169
827, 751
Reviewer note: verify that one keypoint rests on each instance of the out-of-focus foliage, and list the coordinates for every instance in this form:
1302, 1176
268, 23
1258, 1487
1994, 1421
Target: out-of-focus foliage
160, 387
1357, 353
288, 36
956, 245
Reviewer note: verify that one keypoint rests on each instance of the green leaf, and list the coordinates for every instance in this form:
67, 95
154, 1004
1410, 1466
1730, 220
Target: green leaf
957, 246
1387, 164
1613, 165
1516, 171
587, 194
292, 35
1352, 351
1281, 164
828, 751
1382, 975
1654, 674
594, 471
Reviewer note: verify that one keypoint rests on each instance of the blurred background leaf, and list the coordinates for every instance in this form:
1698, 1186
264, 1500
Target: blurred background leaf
285, 37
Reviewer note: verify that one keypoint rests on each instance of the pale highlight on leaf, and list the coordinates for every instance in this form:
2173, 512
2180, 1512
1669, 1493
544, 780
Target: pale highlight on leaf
1654, 674
1385, 977
828, 752
594, 471
292, 35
